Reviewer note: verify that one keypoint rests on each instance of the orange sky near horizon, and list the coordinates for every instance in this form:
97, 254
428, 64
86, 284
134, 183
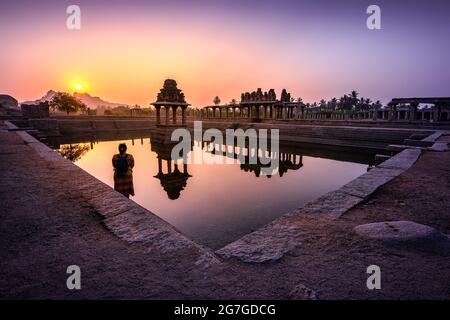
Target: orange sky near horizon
120, 65
125, 51
127, 62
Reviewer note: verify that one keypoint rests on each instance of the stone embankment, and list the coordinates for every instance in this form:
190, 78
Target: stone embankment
283, 235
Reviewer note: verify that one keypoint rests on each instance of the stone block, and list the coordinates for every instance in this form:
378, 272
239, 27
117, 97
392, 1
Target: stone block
267, 244
334, 203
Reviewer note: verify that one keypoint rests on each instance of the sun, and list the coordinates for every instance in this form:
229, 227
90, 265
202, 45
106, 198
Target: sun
78, 85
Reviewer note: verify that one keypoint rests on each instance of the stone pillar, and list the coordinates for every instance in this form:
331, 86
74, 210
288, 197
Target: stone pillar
174, 115
167, 114
392, 111
436, 113
158, 115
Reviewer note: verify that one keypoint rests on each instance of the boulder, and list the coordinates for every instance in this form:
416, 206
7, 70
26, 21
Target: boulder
407, 233
7, 101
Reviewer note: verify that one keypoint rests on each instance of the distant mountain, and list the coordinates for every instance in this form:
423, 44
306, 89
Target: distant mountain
96, 102
90, 101
47, 97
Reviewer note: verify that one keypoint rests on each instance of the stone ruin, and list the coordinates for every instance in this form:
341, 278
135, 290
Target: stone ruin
170, 92
258, 95
270, 95
35, 111
285, 96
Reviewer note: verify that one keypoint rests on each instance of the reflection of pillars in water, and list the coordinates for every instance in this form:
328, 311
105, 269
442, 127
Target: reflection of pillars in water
185, 171
159, 165
142, 141
132, 142
169, 166
298, 159
92, 145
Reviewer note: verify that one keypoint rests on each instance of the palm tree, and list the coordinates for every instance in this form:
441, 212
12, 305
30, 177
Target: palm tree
354, 94
354, 98
345, 103
333, 103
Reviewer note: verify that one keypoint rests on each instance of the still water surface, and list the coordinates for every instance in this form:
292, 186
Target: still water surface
217, 204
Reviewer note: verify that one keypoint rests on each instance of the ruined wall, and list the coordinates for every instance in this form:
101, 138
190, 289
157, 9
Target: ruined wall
80, 126
35, 111
361, 137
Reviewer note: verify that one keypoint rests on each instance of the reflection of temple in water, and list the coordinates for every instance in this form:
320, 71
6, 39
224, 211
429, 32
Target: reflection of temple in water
172, 178
173, 181
287, 160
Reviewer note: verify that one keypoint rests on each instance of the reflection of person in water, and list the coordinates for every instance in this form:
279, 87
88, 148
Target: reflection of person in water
123, 164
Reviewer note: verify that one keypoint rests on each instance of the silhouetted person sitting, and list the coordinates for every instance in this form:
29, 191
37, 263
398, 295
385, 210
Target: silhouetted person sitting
123, 164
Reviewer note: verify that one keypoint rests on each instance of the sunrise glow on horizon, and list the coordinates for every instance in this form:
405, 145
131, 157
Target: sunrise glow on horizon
125, 50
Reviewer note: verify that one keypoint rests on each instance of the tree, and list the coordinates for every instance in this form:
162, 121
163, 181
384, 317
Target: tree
333, 104
322, 104
216, 100
65, 102
354, 99
345, 103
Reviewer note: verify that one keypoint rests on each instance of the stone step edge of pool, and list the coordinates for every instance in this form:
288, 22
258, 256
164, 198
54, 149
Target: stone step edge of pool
284, 234
122, 216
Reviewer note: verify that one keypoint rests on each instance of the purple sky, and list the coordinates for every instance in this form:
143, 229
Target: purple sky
316, 49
